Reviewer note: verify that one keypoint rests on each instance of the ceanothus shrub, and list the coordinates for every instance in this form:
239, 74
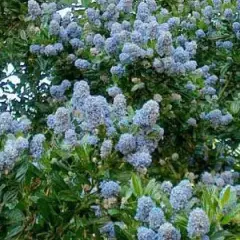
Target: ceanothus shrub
152, 53
125, 133
96, 164
159, 220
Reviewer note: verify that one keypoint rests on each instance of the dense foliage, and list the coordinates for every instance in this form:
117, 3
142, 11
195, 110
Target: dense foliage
128, 121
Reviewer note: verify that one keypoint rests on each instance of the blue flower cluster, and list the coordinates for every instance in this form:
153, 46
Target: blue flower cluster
36, 145
180, 195
219, 180
13, 149
217, 118
109, 189
156, 222
90, 112
9, 125
16, 143
58, 91
159, 228
198, 223
63, 28
128, 42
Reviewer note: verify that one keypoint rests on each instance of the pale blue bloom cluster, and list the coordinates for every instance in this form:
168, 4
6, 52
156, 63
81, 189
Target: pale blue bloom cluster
106, 148
108, 229
168, 231
216, 118
82, 64
34, 9
198, 223
144, 207
147, 116
35, 49
96, 111
99, 41
76, 43
114, 91
180, 195
126, 143
125, 5
156, 218
192, 122
166, 187
58, 91
220, 180
9, 125
22, 143
54, 28
10, 152
90, 112
109, 189
5, 122
36, 145
140, 160
73, 30
119, 106
81, 91
49, 8
190, 86
207, 178
62, 120
200, 34
12, 149
159, 228
144, 233
70, 137
118, 70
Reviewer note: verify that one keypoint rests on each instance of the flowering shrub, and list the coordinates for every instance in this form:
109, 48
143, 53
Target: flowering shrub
136, 133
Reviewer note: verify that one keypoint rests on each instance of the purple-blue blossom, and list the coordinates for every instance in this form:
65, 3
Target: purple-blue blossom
144, 233
144, 207
54, 28
147, 116
198, 223
156, 218
106, 148
36, 145
126, 143
109, 189
140, 160
34, 9
167, 231
82, 64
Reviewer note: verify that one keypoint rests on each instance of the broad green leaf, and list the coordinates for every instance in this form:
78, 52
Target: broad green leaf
13, 232
150, 187
225, 197
136, 185
67, 196
122, 233
137, 87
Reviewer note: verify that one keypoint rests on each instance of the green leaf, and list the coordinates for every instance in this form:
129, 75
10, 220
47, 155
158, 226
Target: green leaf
68, 2
220, 235
85, 3
122, 233
227, 218
225, 197
13, 232
23, 35
21, 172
136, 185
137, 87
67, 195
10, 196
150, 187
